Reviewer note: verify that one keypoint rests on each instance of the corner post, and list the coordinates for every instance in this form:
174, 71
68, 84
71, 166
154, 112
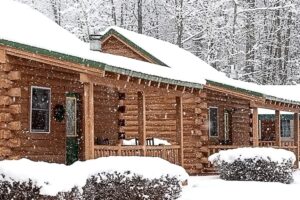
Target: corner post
277, 128
255, 127
296, 137
142, 120
88, 101
179, 127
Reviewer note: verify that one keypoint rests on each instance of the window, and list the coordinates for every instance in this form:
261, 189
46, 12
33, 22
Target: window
213, 122
40, 110
285, 127
226, 125
71, 116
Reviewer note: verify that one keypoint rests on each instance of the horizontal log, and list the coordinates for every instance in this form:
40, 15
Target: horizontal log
198, 110
5, 151
14, 75
3, 58
6, 67
204, 149
14, 142
5, 100
5, 134
197, 132
15, 109
204, 138
15, 125
5, 117
5, 83
14, 92
203, 105
204, 160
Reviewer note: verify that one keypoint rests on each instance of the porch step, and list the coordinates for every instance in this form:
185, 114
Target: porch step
210, 171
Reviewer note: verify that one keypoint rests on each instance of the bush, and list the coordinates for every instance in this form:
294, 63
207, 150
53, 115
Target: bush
255, 164
108, 186
129, 186
18, 190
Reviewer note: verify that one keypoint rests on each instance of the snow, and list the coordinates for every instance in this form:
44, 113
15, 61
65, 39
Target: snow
20, 23
189, 65
59, 177
157, 141
269, 154
263, 111
213, 188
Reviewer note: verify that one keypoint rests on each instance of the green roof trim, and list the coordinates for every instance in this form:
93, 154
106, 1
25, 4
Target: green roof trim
133, 45
272, 98
237, 89
96, 64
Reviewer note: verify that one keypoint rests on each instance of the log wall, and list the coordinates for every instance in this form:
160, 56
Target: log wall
240, 116
9, 108
45, 146
106, 114
161, 123
114, 46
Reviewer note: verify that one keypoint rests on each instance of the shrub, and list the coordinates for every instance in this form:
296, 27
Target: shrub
129, 186
255, 164
108, 186
18, 190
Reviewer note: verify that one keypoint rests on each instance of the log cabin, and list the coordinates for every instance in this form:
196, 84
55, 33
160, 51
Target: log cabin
62, 101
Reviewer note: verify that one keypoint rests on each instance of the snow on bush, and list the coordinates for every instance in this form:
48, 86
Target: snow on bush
53, 179
255, 164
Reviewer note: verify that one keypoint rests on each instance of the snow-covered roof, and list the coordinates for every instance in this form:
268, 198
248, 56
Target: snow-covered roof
27, 29
189, 65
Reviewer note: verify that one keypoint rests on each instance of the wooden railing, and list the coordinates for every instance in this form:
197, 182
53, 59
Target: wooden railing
273, 143
167, 152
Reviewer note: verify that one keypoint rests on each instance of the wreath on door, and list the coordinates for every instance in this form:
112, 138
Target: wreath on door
59, 112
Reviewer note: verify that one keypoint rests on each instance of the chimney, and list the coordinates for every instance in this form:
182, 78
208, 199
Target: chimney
95, 42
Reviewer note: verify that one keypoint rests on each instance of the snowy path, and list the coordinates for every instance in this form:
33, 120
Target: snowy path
211, 187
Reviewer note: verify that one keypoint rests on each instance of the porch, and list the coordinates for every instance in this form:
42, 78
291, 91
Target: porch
257, 135
138, 110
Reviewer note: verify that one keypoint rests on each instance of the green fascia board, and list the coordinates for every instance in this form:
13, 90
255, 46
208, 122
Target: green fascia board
96, 64
237, 89
272, 98
133, 45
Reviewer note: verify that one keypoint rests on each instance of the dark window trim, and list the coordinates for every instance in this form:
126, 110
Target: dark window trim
213, 136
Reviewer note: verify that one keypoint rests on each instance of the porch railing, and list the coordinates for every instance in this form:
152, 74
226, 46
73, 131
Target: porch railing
167, 152
273, 143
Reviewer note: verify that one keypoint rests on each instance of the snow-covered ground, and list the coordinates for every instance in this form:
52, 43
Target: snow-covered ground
213, 188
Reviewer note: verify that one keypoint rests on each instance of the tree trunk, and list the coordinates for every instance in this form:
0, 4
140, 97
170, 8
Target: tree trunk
179, 21
140, 16
113, 12
250, 41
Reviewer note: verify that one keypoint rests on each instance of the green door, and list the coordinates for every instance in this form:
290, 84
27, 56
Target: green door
72, 143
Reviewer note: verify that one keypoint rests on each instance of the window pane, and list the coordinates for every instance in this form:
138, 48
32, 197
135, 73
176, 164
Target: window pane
213, 121
40, 98
40, 101
71, 116
285, 128
40, 121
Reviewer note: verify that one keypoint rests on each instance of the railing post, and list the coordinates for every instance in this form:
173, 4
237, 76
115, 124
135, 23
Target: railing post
296, 137
277, 128
179, 128
119, 153
142, 121
255, 127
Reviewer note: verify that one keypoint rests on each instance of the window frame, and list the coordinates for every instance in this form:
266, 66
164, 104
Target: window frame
286, 122
209, 133
49, 108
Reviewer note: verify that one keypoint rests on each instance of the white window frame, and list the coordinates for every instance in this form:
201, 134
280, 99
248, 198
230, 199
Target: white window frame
226, 125
31, 90
213, 136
